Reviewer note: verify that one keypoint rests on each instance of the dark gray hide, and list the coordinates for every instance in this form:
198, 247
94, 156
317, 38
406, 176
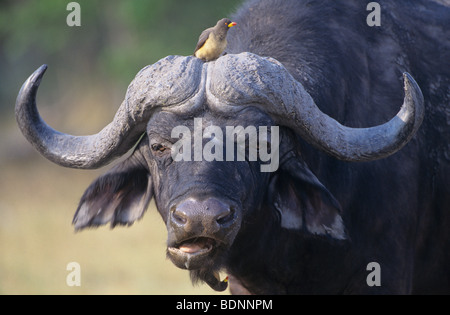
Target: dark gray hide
315, 224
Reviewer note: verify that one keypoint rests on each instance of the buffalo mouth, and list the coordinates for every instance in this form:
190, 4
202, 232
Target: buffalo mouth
193, 253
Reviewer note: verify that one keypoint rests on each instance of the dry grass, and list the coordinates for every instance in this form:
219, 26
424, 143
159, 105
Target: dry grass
37, 240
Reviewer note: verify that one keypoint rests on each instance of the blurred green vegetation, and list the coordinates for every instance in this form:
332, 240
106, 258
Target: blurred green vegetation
116, 38
89, 70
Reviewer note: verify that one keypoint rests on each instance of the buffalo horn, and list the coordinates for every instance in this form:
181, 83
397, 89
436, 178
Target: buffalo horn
152, 88
250, 80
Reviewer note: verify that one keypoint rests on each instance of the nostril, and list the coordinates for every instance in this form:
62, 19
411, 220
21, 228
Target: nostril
225, 217
178, 217
210, 214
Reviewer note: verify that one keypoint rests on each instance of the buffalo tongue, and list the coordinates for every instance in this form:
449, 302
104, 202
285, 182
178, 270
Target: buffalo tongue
197, 245
190, 248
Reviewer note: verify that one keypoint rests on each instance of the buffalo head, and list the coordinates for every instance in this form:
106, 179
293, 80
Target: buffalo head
207, 203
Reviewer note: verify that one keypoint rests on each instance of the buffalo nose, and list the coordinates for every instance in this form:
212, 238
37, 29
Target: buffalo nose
210, 214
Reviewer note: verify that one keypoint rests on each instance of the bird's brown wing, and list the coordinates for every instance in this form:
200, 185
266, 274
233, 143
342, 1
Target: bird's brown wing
202, 39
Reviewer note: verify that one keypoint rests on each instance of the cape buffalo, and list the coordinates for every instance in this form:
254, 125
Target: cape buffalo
340, 213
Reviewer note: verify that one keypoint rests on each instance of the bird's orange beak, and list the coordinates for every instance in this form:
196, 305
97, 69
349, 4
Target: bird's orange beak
232, 24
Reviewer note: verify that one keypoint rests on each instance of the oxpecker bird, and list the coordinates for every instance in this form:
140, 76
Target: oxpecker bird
213, 41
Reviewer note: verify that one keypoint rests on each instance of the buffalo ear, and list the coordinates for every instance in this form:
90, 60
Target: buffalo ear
303, 202
120, 196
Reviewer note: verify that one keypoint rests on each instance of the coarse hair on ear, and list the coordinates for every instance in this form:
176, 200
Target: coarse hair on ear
303, 202
119, 197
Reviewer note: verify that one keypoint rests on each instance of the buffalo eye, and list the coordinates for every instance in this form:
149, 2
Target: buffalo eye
159, 148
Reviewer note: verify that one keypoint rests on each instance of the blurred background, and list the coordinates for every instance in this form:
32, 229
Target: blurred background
89, 69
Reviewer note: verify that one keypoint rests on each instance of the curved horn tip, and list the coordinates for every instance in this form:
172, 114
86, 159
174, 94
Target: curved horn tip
408, 80
413, 93
38, 74
34, 80
29, 88
411, 84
